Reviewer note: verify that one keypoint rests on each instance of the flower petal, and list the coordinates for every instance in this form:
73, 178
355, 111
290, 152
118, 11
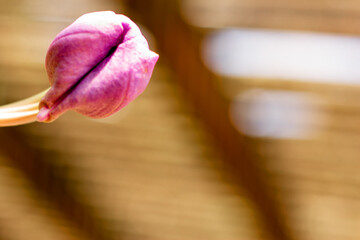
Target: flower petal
96, 66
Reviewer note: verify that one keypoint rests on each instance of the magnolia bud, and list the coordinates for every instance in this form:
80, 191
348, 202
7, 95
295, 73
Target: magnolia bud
96, 66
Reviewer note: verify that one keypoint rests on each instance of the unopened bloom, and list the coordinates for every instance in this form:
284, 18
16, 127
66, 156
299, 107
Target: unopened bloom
96, 66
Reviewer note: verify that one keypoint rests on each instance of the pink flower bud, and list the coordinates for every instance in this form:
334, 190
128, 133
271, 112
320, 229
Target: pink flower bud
96, 66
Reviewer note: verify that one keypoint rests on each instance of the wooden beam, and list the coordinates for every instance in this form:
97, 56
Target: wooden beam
50, 182
180, 45
322, 16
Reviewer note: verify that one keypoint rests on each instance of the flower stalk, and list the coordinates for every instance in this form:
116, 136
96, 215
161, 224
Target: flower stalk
21, 112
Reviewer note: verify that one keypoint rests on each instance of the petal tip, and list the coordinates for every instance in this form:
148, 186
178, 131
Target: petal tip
44, 115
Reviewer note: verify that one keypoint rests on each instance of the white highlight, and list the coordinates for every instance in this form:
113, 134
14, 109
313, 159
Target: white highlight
284, 55
277, 114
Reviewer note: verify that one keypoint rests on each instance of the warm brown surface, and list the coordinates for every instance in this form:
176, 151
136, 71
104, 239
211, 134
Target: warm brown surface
313, 180
171, 165
316, 179
150, 172
324, 16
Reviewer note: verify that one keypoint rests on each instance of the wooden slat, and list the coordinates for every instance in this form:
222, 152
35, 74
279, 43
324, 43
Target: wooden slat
325, 16
24, 214
315, 178
154, 170
182, 43
147, 173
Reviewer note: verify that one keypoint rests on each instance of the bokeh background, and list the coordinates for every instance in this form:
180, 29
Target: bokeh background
249, 129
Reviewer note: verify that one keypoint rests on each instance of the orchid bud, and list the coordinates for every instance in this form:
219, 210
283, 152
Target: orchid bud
96, 66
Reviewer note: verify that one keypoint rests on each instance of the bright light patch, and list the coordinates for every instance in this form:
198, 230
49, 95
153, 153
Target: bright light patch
276, 114
284, 55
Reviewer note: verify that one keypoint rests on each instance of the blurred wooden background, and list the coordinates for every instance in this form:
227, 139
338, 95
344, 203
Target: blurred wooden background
171, 165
